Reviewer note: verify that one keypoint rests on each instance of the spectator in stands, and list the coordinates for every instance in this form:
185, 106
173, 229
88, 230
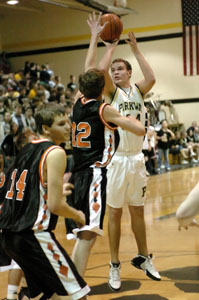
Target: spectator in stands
188, 148
72, 85
26, 67
62, 100
8, 145
43, 88
164, 136
193, 125
58, 82
2, 108
176, 148
7, 123
32, 90
19, 118
33, 72
30, 120
36, 103
22, 95
44, 74
196, 134
193, 142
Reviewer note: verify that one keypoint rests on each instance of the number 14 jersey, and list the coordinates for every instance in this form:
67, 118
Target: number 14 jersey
23, 195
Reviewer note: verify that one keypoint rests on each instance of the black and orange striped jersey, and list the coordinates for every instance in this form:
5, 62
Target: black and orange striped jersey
94, 140
24, 191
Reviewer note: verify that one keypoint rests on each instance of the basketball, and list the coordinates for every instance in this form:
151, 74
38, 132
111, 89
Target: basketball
113, 28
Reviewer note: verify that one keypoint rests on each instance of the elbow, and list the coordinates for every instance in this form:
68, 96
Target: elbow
53, 208
153, 80
142, 132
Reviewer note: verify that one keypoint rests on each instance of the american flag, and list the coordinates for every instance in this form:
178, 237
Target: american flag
190, 16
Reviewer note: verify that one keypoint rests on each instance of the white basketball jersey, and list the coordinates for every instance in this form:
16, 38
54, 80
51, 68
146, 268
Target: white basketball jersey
129, 103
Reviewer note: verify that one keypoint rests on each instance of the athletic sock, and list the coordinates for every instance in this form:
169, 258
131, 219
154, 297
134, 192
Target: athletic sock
115, 265
12, 292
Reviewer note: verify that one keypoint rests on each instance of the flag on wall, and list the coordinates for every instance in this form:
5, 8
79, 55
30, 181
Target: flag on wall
190, 16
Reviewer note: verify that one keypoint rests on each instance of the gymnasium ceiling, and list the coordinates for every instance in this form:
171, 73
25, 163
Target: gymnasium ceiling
44, 6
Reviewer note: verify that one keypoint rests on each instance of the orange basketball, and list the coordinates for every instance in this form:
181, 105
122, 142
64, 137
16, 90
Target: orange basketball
113, 28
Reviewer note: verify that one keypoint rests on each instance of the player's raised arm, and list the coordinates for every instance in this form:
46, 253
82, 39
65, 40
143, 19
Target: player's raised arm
149, 78
95, 28
104, 65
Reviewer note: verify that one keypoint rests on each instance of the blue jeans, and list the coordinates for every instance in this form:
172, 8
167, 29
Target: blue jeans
165, 153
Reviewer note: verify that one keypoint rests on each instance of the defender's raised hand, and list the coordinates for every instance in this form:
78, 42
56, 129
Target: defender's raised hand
95, 24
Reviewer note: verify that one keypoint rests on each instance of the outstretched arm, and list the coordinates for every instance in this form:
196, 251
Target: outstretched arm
129, 123
104, 65
188, 209
96, 29
149, 78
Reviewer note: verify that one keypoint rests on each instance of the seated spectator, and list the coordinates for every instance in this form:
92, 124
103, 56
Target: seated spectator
7, 123
164, 136
2, 109
8, 144
62, 100
32, 90
19, 118
193, 125
58, 82
196, 134
69, 109
36, 103
188, 148
177, 148
72, 85
26, 136
22, 95
41, 95
44, 87
193, 142
30, 120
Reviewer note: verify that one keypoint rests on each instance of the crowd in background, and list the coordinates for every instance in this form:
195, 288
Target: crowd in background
23, 92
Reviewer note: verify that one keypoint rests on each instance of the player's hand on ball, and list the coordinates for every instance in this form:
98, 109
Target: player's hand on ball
110, 45
67, 189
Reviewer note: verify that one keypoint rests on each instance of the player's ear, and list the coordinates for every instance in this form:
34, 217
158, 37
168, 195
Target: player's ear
45, 129
130, 73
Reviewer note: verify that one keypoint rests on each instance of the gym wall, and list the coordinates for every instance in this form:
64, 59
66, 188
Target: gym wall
60, 37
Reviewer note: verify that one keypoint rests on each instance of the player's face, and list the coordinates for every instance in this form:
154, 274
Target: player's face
121, 76
60, 129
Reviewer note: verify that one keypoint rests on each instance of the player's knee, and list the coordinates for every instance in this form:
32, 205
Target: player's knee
137, 210
114, 214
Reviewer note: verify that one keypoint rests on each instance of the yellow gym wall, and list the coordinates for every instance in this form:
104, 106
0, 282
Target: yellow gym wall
60, 27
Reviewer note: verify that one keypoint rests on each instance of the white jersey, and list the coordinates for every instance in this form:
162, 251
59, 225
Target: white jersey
129, 103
